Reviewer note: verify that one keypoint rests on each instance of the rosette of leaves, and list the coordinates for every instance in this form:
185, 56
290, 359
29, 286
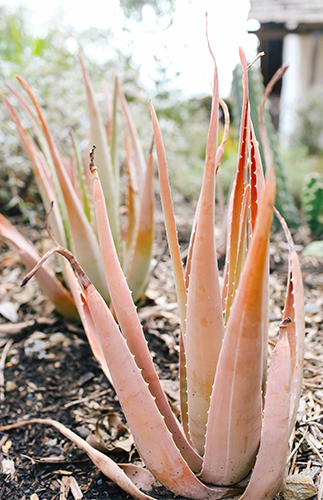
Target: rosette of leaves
236, 414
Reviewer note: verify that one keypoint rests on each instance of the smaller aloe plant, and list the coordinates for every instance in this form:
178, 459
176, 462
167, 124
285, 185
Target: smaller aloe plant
67, 184
235, 420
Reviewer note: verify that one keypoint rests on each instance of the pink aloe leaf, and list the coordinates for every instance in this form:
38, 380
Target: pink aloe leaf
237, 195
219, 155
107, 466
175, 254
170, 223
86, 318
137, 150
234, 420
130, 326
47, 280
294, 309
267, 478
144, 237
107, 174
204, 328
83, 238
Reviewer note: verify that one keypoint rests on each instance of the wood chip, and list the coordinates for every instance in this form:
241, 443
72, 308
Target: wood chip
6, 446
65, 488
75, 489
299, 487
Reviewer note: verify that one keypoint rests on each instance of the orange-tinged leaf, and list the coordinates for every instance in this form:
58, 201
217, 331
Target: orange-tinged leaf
230, 281
244, 236
256, 176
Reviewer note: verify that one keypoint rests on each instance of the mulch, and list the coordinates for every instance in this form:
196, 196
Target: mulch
48, 370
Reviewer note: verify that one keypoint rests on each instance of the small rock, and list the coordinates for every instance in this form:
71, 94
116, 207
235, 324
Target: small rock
10, 386
83, 431
35, 348
85, 378
8, 467
6, 446
299, 487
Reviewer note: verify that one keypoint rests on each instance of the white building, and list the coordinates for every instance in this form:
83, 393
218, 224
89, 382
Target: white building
291, 32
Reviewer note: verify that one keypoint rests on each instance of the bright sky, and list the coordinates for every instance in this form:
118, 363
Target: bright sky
182, 47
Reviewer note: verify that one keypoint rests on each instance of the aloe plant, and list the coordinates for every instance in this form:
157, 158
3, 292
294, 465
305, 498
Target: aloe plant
235, 420
69, 187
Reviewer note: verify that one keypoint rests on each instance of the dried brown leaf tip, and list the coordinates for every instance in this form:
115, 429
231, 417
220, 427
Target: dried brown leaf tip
92, 163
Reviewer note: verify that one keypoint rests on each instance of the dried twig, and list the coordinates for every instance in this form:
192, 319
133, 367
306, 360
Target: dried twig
2, 366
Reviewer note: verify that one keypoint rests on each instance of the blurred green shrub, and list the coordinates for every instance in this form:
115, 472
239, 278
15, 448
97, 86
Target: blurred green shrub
309, 124
313, 203
298, 164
